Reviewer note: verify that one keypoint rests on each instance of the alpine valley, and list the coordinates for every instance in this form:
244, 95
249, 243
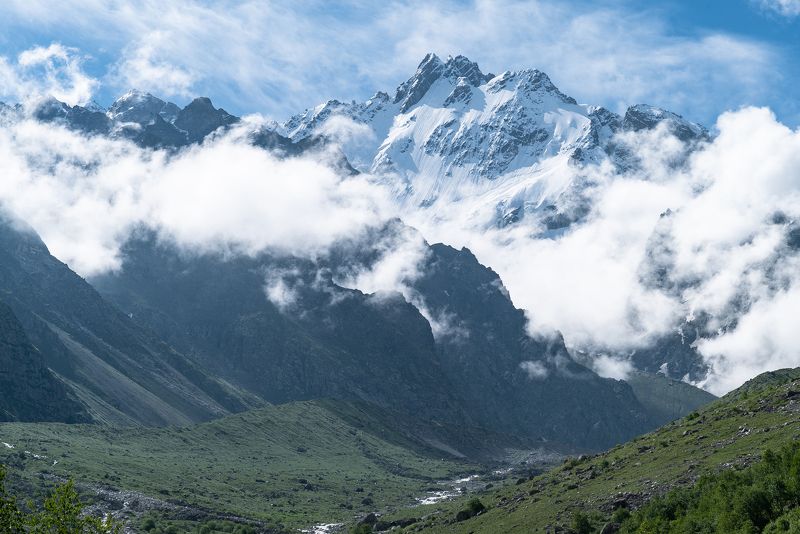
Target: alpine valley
387, 378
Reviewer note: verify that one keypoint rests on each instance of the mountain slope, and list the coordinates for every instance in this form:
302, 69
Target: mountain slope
507, 378
340, 343
666, 399
118, 370
29, 391
731, 432
285, 329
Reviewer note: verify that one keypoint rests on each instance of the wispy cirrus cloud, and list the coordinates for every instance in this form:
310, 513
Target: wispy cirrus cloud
279, 58
787, 8
143, 65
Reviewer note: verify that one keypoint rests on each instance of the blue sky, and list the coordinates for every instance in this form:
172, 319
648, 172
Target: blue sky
698, 58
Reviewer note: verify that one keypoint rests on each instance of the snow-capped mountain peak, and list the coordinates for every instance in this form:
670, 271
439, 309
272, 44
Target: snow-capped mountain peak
432, 69
502, 144
142, 108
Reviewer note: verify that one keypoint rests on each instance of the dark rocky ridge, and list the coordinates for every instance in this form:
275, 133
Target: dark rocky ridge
118, 370
29, 392
329, 341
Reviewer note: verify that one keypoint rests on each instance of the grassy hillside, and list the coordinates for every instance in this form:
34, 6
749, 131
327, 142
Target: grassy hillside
731, 432
762, 498
286, 466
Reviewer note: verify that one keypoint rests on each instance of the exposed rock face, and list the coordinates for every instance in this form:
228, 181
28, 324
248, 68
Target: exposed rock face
199, 118
644, 117
142, 108
141, 117
432, 69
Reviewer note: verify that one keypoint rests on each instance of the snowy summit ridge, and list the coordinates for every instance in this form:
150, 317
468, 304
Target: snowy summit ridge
498, 143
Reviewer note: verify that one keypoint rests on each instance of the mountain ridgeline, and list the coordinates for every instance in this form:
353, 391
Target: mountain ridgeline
493, 142
331, 341
176, 337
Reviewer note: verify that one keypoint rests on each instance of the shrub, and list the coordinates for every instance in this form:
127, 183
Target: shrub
476, 506
759, 498
581, 523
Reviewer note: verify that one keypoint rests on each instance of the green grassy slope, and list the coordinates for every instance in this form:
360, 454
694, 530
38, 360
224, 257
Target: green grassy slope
734, 430
295, 465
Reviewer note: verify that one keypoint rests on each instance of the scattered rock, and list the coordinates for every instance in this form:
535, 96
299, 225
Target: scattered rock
370, 519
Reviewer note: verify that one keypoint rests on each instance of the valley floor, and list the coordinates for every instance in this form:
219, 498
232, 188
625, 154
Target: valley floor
327, 466
730, 433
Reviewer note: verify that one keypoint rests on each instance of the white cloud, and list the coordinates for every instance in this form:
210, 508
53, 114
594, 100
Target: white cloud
142, 66
280, 289
787, 8
535, 370
400, 256
85, 196
766, 338
40, 72
345, 130
609, 366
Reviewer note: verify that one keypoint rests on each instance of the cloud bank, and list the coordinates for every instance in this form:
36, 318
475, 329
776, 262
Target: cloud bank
85, 195
707, 243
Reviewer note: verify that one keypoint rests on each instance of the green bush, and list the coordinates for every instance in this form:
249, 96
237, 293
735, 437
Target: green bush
581, 523
474, 507
788, 523
761, 498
